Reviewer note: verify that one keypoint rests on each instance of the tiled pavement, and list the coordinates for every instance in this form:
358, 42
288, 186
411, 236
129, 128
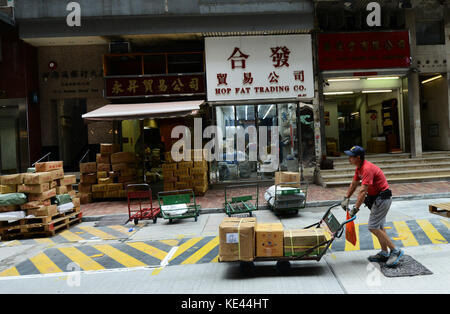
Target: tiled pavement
215, 198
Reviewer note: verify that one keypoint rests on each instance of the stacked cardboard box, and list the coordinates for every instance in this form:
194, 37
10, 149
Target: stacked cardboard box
115, 170
237, 239
186, 174
9, 184
88, 177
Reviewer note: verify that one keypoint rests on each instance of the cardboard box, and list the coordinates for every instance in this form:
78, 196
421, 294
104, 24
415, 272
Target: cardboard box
10, 188
53, 184
84, 188
102, 174
37, 178
67, 180
185, 164
286, 177
109, 148
96, 195
105, 180
123, 158
57, 174
185, 178
61, 190
201, 189
201, 164
128, 179
35, 204
181, 172
76, 201
128, 172
114, 187
181, 185
237, 239
72, 193
85, 198
203, 176
167, 173
103, 167
12, 179
99, 188
88, 167
297, 242
42, 196
43, 211
113, 174
198, 171
88, 178
120, 167
169, 167
9, 208
169, 186
168, 157
35, 188
103, 158
170, 179
269, 239
48, 166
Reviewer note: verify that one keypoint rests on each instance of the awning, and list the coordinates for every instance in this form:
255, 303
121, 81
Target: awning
146, 110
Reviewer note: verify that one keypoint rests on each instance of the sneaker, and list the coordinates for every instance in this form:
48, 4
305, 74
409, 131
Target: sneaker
394, 258
380, 257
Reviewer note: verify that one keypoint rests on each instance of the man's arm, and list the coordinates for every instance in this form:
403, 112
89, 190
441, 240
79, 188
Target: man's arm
352, 188
361, 196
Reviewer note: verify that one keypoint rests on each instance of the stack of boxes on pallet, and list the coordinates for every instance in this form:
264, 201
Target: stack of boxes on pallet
115, 170
186, 174
243, 239
88, 177
40, 188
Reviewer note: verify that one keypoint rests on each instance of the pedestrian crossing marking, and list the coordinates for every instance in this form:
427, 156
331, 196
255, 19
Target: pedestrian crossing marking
122, 229
44, 264
11, 272
351, 247
215, 259
405, 234
45, 241
194, 258
170, 242
148, 249
84, 261
70, 236
98, 233
185, 246
156, 271
446, 222
431, 232
119, 256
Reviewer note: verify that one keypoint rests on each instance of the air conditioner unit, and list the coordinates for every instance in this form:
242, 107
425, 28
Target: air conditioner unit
119, 47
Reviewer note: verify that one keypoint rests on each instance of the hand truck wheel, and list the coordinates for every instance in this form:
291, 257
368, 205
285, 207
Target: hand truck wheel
246, 267
196, 218
136, 221
250, 213
170, 221
283, 266
155, 219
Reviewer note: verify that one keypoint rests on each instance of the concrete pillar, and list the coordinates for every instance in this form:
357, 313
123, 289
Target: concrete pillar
414, 90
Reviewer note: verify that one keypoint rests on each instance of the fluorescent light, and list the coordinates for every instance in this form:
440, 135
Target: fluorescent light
383, 78
377, 91
354, 113
344, 80
432, 79
268, 111
338, 93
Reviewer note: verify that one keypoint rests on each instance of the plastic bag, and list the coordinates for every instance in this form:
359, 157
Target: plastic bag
350, 232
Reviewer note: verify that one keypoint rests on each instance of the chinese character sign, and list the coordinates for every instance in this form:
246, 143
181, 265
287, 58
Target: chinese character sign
259, 67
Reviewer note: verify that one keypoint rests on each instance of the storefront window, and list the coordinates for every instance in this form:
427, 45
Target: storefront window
287, 121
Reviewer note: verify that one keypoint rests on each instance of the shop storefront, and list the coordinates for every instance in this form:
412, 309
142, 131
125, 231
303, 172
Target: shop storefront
365, 93
259, 88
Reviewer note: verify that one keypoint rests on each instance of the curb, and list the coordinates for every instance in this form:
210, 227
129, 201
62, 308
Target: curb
309, 204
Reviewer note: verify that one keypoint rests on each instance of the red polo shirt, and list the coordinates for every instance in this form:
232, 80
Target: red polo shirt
372, 176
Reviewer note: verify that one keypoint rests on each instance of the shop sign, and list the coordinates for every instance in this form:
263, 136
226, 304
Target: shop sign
159, 85
259, 67
368, 50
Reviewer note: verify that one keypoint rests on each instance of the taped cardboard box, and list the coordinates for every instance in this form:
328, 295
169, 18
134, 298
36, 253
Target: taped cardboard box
103, 158
72, 193
35, 204
9, 208
88, 167
85, 198
12, 179
10, 188
297, 242
42, 196
43, 211
103, 167
76, 201
109, 148
67, 180
35, 188
48, 166
84, 188
88, 178
99, 188
123, 157
102, 174
37, 178
269, 239
114, 187
61, 190
53, 184
286, 177
57, 174
237, 239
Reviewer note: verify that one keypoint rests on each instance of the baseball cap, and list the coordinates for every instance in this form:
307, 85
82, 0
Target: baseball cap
355, 151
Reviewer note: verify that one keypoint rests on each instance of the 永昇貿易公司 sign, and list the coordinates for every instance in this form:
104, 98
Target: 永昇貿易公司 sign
259, 67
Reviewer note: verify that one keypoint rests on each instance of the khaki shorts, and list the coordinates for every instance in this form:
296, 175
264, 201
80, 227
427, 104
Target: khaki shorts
378, 213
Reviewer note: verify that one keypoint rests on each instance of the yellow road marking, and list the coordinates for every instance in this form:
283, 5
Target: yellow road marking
445, 222
185, 246
215, 259
98, 233
84, 261
148, 249
376, 242
119, 256
97, 255
194, 258
14, 243
10, 272
431, 232
157, 271
405, 234
44, 264
351, 247
45, 241
170, 242
72, 237
122, 229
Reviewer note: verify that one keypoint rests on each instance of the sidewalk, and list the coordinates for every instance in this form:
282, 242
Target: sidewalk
317, 196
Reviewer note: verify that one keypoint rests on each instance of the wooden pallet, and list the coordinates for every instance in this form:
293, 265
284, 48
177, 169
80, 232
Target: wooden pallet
47, 229
442, 209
